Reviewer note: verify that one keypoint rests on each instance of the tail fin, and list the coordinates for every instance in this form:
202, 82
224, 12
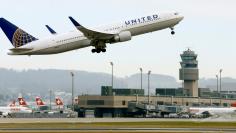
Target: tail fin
76, 100
16, 36
51, 30
39, 101
233, 104
58, 101
13, 104
22, 101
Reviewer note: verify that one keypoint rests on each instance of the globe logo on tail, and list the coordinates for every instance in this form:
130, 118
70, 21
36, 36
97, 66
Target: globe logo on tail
21, 38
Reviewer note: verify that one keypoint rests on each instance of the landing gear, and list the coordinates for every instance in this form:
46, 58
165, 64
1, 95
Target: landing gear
104, 50
98, 50
172, 31
93, 50
99, 47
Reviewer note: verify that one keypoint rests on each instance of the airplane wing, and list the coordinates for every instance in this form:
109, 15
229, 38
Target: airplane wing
20, 49
90, 33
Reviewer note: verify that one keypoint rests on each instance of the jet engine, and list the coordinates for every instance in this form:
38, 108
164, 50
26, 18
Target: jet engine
123, 36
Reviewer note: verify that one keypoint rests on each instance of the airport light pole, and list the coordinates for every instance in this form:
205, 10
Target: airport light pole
220, 85
217, 84
220, 80
149, 72
72, 90
50, 92
112, 74
141, 72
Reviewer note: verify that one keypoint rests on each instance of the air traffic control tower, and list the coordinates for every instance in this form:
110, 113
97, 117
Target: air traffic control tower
189, 72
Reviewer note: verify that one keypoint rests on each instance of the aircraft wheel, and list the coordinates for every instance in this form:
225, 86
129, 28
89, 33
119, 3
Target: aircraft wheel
104, 50
93, 50
98, 50
172, 32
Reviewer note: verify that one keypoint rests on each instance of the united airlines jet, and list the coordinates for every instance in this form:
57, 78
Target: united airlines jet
99, 37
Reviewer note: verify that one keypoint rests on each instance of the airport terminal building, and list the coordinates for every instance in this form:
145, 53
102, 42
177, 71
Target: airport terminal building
130, 105
125, 102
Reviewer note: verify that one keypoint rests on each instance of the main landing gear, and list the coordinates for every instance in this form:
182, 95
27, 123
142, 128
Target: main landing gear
100, 46
172, 31
98, 50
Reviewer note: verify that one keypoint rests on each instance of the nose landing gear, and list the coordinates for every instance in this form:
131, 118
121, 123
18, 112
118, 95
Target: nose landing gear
172, 31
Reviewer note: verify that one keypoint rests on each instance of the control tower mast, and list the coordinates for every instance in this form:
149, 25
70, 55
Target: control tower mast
189, 72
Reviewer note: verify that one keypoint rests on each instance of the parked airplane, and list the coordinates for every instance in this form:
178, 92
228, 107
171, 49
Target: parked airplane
213, 110
84, 37
6, 111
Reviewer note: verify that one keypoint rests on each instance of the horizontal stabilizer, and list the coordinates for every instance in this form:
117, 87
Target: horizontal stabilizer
20, 49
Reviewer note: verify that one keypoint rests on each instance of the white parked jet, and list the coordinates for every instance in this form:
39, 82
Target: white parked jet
213, 110
84, 37
12, 108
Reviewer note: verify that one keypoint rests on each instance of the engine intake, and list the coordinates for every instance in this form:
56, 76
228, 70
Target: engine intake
123, 36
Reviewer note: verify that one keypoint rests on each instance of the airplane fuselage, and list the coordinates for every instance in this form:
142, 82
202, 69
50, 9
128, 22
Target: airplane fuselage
15, 110
76, 40
212, 110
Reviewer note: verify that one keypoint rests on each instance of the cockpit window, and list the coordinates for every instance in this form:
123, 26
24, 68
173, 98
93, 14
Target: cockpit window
176, 13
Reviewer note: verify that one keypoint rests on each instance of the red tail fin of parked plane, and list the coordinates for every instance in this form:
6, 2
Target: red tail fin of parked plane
13, 104
59, 101
39, 101
22, 101
233, 104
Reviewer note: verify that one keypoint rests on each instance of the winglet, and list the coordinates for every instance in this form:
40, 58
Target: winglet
51, 30
74, 21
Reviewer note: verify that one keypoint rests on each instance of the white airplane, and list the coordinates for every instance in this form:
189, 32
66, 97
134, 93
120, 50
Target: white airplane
12, 108
213, 110
84, 37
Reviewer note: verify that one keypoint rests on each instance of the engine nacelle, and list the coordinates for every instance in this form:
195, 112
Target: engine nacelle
123, 36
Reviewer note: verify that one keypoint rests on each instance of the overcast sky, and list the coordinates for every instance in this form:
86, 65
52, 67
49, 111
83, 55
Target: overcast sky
208, 28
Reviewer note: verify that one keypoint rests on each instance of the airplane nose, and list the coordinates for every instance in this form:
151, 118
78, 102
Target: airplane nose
181, 18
